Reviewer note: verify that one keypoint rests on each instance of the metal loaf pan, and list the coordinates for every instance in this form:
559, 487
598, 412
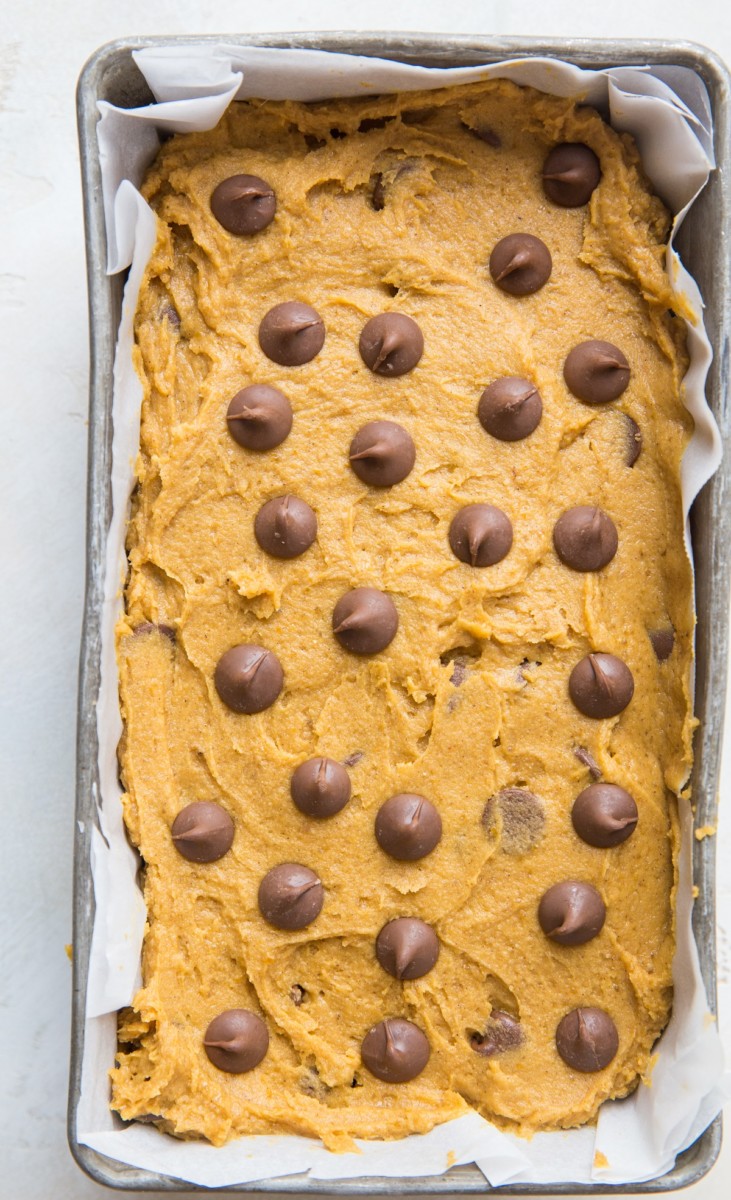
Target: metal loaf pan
111, 75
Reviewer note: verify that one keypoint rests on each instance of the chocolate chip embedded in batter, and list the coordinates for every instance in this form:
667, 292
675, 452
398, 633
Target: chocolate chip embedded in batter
150, 627
285, 527
395, 1050
259, 417
485, 133
382, 453
236, 1041
391, 344
601, 685
522, 817
408, 827
596, 372
297, 994
365, 620
571, 912
587, 1039
634, 440
510, 408
520, 264
663, 641
586, 758
480, 535
290, 896
407, 948
604, 815
585, 538
502, 1033
570, 174
320, 787
244, 204
292, 333
248, 678
378, 192
202, 832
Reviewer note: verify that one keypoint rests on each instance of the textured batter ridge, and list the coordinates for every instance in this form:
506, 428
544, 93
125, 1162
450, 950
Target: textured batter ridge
396, 204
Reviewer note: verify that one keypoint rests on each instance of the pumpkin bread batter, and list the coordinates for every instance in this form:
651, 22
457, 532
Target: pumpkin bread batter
405, 656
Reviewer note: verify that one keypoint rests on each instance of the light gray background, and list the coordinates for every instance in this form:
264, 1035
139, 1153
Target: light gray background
43, 349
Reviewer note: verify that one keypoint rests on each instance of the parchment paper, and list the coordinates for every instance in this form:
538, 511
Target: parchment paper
667, 111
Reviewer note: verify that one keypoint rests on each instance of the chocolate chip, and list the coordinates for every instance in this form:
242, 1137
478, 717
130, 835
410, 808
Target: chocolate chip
587, 1039
570, 174
285, 527
604, 815
407, 948
485, 134
382, 453
365, 620
480, 535
171, 314
520, 264
391, 344
353, 759
395, 1050
291, 333
259, 417
408, 827
522, 815
596, 372
148, 627
601, 685
587, 759
510, 408
502, 1033
203, 831
290, 896
244, 204
378, 192
571, 912
320, 787
297, 994
248, 678
459, 672
236, 1041
585, 538
634, 440
663, 641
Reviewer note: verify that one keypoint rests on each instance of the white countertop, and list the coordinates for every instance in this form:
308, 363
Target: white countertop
43, 349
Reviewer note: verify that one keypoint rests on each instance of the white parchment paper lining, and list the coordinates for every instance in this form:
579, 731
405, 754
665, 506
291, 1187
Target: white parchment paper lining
667, 111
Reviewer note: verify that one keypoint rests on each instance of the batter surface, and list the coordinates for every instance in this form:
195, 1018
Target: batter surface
395, 205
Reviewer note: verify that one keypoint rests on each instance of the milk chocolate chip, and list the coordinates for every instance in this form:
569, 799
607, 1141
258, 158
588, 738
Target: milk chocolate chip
320, 787
248, 678
596, 372
382, 453
244, 204
604, 815
395, 1050
391, 344
502, 1033
634, 440
365, 620
510, 408
407, 948
585, 538
285, 527
571, 912
520, 264
236, 1041
290, 896
570, 174
663, 641
587, 1039
408, 827
259, 417
202, 832
601, 685
480, 535
291, 333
